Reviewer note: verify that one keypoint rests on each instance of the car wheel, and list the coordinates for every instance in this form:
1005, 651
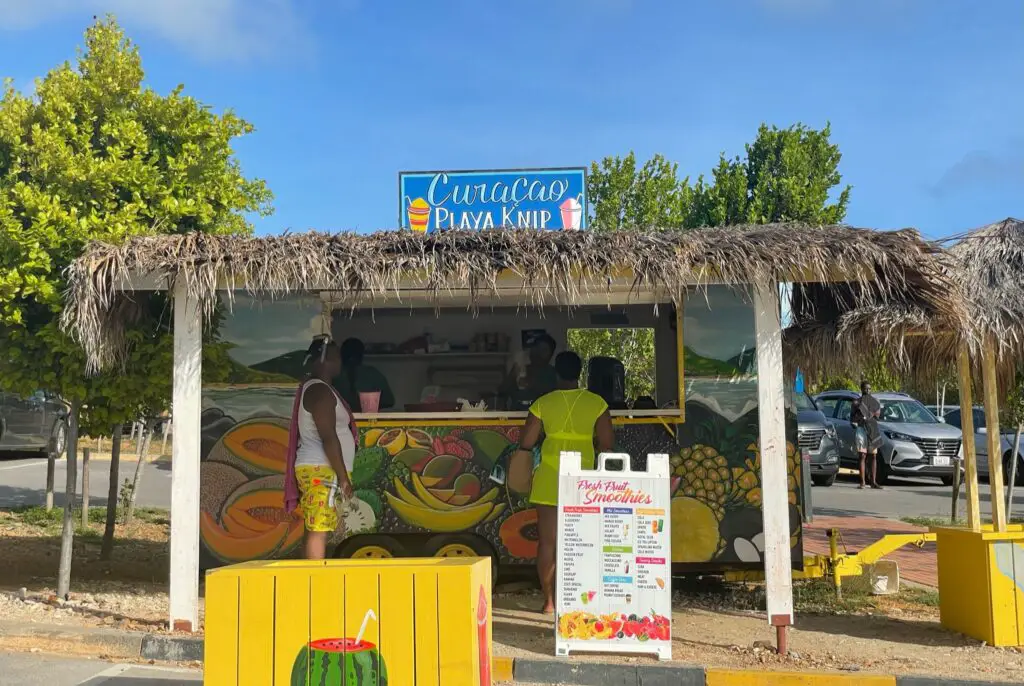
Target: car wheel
882, 471
1020, 469
58, 444
823, 480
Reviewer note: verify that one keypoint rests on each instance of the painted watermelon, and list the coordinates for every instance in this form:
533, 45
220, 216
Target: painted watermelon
339, 662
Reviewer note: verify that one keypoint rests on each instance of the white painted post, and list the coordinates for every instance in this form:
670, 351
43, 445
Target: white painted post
771, 410
188, 357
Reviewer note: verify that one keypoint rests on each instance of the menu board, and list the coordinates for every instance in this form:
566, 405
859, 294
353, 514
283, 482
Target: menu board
614, 578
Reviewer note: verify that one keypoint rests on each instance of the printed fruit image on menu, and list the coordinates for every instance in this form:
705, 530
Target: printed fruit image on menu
614, 559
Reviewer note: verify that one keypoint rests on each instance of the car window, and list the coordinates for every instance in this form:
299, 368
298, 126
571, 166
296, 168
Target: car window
953, 419
828, 406
906, 412
843, 410
979, 419
803, 402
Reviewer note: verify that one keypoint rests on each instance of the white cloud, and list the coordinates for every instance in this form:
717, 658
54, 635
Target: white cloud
984, 168
235, 30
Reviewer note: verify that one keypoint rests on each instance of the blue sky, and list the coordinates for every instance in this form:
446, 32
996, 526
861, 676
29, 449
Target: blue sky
925, 97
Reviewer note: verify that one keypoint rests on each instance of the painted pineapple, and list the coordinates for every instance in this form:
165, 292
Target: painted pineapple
748, 477
705, 476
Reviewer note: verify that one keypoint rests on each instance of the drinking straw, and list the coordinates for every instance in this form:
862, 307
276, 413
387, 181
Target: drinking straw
362, 629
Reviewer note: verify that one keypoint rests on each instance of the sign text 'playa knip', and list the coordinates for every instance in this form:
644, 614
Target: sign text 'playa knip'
507, 198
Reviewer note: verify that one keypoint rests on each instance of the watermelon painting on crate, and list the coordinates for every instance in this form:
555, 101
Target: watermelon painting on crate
341, 661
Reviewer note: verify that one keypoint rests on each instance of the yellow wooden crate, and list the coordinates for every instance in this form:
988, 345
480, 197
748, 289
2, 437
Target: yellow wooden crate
981, 583
291, 623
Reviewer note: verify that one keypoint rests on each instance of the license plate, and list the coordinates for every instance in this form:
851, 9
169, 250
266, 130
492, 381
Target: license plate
941, 461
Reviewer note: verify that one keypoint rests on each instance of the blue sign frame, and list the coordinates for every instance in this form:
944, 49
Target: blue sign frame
550, 198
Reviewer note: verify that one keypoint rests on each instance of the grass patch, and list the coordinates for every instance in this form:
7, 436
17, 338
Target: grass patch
38, 516
812, 596
944, 521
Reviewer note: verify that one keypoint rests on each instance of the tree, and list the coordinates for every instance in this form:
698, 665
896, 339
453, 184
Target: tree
96, 155
633, 347
786, 175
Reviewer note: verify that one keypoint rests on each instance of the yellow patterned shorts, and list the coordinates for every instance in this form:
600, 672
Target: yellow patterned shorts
315, 490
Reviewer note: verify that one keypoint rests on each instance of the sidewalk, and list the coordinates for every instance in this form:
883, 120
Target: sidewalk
917, 565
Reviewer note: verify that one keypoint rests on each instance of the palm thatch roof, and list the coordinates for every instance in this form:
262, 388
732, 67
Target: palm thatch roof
872, 268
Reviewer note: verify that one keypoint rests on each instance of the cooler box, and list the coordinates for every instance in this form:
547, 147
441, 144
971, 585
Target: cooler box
350, 622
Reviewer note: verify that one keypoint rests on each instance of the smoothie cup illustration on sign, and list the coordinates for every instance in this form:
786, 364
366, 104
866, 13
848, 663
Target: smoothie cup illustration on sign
481, 638
340, 662
572, 213
419, 214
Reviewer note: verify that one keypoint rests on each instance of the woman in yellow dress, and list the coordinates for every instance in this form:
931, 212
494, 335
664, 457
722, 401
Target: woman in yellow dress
571, 419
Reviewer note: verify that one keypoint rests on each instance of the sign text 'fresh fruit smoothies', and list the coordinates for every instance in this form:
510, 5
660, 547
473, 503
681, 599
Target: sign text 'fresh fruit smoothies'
514, 198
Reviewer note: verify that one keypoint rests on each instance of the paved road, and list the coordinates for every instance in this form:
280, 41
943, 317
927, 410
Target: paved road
902, 498
40, 669
23, 482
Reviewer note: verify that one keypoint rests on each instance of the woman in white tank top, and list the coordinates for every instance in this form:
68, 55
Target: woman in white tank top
326, 449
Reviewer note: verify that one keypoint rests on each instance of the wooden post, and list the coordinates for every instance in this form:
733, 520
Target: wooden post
967, 429
85, 486
1013, 473
186, 400
51, 468
67, 537
167, 431
774, 478
995, 444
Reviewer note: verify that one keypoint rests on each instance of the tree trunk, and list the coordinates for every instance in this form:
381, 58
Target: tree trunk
145, 432
51, 467
115, 465
85, 486
1014, 459
67, 538
167, 431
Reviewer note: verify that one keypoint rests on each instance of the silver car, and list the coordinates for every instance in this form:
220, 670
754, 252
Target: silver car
953, 418
914, 442
818, 439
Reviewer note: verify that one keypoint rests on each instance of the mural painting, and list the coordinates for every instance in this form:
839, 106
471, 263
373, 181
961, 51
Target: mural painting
415, 480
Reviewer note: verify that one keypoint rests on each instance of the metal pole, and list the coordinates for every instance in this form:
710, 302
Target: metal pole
806, 482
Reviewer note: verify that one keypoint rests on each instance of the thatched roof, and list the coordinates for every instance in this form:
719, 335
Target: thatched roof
886, 268
988, 263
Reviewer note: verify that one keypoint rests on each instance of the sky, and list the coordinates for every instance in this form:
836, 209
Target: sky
925, 97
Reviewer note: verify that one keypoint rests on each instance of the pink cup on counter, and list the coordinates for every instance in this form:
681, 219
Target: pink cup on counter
369, 401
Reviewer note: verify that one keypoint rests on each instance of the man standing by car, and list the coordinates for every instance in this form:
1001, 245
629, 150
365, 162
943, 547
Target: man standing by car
864, 417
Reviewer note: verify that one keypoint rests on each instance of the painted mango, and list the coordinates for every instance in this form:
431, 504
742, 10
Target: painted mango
257, 446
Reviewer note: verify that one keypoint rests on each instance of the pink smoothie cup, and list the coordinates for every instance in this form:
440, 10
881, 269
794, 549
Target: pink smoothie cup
369, 401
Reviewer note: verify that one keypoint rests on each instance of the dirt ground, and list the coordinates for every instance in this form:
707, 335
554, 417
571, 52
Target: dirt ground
714, 624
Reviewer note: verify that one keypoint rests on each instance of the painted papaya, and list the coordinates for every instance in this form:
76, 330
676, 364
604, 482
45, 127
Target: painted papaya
520, 535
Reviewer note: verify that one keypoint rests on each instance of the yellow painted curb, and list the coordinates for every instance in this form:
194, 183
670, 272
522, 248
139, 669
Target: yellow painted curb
730, 677
502, 667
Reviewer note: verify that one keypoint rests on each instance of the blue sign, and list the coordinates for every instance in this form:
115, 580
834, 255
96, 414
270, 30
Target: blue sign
504, 198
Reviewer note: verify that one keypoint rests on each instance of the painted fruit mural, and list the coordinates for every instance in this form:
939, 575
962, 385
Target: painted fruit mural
436, 480
339, 662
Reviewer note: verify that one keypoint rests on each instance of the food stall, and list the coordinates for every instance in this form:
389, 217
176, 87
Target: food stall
443, 318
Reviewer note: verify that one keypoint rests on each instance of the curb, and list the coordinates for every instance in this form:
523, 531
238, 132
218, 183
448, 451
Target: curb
504, 669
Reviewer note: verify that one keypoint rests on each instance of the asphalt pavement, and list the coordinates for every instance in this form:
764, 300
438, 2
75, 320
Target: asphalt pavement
42, 669
23, 481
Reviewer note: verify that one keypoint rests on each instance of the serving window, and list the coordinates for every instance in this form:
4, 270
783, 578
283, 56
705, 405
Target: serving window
438, 361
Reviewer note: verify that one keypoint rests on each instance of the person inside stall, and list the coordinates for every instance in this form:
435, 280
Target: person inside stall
356, 377
523, 386
571, 419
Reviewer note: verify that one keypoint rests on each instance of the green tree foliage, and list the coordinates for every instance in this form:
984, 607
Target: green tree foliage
633, 347
785, 175
94, 154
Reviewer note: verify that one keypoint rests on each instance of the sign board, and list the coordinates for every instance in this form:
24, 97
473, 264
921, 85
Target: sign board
614, 577
504, 198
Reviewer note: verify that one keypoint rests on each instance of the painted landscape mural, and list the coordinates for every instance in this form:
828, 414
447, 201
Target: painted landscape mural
419, 482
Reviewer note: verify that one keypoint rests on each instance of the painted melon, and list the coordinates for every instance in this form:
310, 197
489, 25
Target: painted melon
231, 548
339, 662
256, 446
217, 481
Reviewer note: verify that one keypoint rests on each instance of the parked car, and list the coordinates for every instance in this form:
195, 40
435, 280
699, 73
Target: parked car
914, 441
36, 423
818, 438
954, 418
